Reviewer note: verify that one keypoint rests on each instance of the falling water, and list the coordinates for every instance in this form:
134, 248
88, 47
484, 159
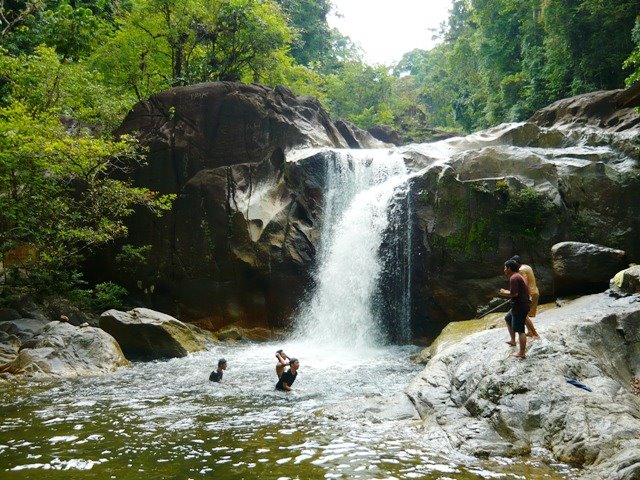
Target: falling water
360, 191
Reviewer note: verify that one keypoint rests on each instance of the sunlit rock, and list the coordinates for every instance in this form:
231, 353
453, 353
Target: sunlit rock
64, 350
146, 334
477, 398
626, 282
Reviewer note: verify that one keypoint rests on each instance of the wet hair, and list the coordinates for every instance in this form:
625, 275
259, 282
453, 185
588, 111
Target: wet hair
512, 265
516, 258
279, 351
221, 362
292, 361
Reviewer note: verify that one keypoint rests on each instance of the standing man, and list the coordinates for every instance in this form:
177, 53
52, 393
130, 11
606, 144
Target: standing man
527, 273
288, 377
216, 375
519, 294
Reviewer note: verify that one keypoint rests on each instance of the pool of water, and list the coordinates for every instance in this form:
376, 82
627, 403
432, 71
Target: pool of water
165, 420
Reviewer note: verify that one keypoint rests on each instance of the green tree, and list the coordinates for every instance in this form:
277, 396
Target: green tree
312, 40
57, 199
633, 62
55, 194
360, 93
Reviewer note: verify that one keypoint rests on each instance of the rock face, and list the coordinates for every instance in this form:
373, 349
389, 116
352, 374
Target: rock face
483, 401
63, 350
240, 244
581, 267
386, 134
612, 110
357, 138
145, 334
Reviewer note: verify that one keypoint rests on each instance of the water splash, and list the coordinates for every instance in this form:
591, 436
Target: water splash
359, 192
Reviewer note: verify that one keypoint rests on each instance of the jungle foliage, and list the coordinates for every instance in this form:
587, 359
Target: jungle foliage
71, 69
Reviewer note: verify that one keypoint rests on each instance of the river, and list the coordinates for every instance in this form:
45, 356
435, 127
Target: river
165, 420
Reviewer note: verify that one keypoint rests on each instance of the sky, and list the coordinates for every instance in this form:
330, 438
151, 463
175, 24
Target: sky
385, 29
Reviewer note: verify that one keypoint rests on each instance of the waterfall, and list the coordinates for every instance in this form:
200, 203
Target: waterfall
365, 198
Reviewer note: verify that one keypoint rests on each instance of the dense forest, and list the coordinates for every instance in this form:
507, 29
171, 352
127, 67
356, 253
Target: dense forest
70, 71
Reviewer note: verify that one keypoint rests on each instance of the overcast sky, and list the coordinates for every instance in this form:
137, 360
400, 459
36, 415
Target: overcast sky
385, 29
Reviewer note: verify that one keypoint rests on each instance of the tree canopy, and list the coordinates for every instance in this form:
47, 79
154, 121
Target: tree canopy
71, 69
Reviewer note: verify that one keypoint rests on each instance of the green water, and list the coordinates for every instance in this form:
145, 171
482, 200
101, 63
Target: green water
165, 420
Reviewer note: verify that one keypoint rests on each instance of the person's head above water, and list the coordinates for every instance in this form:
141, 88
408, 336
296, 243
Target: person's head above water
222, 364
294, 363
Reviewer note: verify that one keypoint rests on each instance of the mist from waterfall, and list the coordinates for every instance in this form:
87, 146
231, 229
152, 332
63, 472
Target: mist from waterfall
342, 312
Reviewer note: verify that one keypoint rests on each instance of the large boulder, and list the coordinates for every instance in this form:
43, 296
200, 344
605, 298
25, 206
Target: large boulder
477, 398
513, 189
236, 247
611, 110
584, 267
64, 350
240, 245
146, 335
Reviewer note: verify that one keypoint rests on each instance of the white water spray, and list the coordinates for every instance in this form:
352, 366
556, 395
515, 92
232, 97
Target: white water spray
360, 188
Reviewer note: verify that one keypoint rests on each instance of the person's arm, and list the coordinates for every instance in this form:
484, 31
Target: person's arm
286, 387
513, 292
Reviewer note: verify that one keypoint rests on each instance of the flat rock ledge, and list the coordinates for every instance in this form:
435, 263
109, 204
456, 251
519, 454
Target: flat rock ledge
475, 398
145, 334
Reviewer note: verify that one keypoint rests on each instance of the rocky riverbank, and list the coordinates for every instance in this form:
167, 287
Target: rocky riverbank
485, 402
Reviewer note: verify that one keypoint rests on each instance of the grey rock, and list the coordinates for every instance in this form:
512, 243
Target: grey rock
24, 328
579, 267
147, 334
486, 402
357, 138
63, 350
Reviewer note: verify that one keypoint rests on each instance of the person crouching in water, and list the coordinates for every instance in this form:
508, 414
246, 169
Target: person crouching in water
288, 377
519, 294
216, 375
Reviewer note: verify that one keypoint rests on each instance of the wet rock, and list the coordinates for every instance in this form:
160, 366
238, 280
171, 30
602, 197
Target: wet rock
63, 350
584, 267
474, 396
146, 334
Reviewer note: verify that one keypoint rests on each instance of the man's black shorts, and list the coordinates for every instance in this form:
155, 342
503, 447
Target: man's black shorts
516, 318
